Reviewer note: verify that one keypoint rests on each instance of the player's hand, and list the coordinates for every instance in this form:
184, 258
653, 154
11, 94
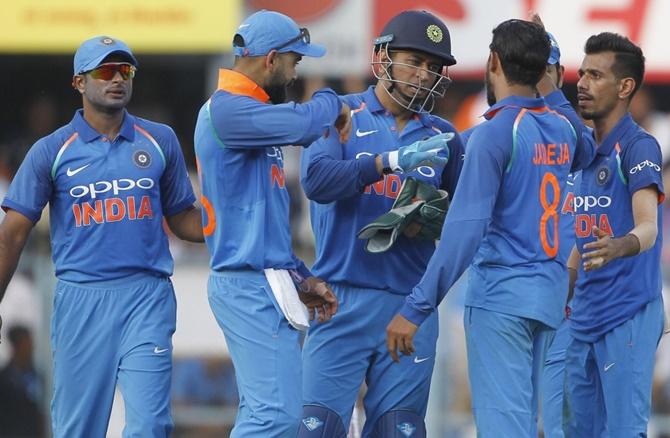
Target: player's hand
399, 335
319, 298
433, 151
600, 252
343, 123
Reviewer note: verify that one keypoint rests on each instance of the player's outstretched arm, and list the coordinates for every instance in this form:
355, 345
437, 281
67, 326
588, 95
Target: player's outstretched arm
187, 224
642, 237
14, 232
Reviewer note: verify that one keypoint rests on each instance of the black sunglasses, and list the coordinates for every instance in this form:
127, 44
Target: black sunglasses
303, 35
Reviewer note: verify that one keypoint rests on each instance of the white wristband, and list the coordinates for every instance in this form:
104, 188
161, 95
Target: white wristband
393, 161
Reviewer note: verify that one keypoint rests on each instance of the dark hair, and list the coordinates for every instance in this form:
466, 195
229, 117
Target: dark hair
523, 48
628, 61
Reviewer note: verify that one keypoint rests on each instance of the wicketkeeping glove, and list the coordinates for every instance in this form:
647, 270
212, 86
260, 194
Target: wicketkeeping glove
433, 151
417, 202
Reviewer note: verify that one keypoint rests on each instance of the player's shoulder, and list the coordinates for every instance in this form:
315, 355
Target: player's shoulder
465, 135
56, 140
439, 124
494, 129
354, 100
161, 132
637, 136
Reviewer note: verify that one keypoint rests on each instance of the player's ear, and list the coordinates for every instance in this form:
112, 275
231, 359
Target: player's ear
271, 59
78, 83
493, 64
626, 88
561, 76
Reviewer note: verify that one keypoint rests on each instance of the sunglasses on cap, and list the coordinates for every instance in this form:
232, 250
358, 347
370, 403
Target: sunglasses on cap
303, 35
107, 71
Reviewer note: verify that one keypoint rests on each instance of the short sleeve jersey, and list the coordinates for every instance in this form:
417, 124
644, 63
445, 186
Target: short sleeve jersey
107, 198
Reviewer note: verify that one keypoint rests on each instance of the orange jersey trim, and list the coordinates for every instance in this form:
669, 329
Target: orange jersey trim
237, 83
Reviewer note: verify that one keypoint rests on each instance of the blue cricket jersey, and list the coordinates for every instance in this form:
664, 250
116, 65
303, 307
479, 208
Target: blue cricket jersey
566, 228
107, 197
628, 159
238, 139
348, 193
505, 217
465, 135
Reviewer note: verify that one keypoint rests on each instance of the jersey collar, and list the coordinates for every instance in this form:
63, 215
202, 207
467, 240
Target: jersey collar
615, 135
531, 103
236, 83
87, 133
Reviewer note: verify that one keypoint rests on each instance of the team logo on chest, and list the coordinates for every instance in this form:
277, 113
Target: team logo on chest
602, 175
142, 159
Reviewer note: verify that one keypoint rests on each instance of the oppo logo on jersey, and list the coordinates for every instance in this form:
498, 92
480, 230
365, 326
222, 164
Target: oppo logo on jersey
584, 223
112, 209
588, 202
639, 167
116, 186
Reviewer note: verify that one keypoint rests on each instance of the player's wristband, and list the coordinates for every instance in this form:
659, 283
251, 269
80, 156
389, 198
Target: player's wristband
390, 162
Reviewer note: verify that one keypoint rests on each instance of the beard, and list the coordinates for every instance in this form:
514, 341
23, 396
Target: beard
277, 93
277, 89
490, 92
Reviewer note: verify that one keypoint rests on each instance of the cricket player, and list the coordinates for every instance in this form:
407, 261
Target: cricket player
551, 373
238, 139
350, 185
110, 179
617, 309
504, 219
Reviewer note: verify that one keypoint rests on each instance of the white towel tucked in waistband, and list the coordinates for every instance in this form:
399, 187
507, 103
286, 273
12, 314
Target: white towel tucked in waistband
287, 297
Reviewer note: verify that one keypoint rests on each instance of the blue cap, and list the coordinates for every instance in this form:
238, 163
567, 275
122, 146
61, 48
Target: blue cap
266, 30
93, 51
555, 53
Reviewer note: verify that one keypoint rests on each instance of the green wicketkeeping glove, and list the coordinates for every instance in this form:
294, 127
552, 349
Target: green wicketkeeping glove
414, 197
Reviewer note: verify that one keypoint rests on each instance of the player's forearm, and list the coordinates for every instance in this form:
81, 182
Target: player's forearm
11, 246
585, 145
458, 244
645, 217
573, 269
646, 234
328, 179
187, 225
572, 280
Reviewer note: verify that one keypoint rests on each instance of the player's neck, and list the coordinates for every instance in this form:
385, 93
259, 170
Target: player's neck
401, 114
603, 126
107, 123
514, 90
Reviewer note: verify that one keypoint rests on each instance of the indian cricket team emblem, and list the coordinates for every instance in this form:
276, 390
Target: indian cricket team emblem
602, 175
434, 33
407, 429
142, 159
107, 41
312, 423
